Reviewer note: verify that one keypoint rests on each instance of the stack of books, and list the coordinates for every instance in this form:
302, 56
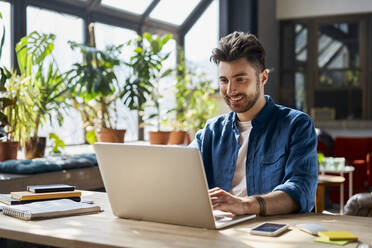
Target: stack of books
41, 193
45, 201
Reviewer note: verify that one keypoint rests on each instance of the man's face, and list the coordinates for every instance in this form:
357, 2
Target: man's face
240, 84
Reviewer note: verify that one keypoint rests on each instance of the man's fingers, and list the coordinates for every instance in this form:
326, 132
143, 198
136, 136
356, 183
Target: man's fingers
217, 200
217, 192
214, 189
222, 207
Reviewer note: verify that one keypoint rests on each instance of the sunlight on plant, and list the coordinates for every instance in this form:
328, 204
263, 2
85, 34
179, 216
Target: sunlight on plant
57, 143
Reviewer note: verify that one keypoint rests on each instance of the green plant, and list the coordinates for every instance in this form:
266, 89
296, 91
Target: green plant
33, 53
4, 75
16, 102
57, 143
320, 157
147, 70
194, 105
4, 101
20, 114
202, 107
94, 84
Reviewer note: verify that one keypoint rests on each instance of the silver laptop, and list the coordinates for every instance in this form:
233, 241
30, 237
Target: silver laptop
159, 183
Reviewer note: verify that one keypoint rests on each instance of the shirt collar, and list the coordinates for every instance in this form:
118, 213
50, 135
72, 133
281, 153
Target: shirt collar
262, 117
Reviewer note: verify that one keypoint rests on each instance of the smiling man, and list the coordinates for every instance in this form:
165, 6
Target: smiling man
261, 157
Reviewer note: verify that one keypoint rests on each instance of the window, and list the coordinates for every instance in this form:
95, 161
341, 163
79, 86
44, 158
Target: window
129, 119
126, 119
5, 21
65, 27
174, 12
69, 27
137, 7
339, 69
321, 66
294, 66
201, 40
166, 90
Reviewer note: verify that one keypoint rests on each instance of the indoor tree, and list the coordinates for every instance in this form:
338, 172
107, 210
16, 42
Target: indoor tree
147, 67
35, 60
95, 89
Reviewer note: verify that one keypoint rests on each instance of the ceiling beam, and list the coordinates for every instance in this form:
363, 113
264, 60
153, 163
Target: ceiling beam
18, 28
92, 4
147, 13
105, 14
71, 7
194, 16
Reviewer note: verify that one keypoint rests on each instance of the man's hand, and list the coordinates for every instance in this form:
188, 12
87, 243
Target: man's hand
224, 201
277, 202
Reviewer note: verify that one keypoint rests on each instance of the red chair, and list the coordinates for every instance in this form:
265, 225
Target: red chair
323, 149
355, 151
325, 142
352, 148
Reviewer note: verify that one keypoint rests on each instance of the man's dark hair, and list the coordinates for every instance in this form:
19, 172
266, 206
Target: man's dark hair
240, 45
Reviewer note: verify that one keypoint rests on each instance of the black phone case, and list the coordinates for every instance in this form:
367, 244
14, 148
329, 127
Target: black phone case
50, 188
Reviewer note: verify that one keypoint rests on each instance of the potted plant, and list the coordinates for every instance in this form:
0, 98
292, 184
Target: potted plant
95, 90
18, 112
202, 105
13, 109
157, 117
183, 95
33, 53
8, 149
194, 105
147, 67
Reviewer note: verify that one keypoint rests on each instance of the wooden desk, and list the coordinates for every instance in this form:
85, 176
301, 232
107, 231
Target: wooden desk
105, 230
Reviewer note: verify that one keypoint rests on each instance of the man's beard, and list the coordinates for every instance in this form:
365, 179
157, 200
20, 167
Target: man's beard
250, 100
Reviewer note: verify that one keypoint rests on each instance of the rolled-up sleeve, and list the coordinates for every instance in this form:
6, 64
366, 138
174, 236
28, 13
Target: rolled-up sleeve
301, 171
196, 143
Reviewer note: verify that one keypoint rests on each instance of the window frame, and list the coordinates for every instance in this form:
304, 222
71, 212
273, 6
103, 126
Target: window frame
312, 71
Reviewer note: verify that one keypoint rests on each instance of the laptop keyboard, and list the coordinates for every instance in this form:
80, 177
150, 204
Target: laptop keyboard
221, 216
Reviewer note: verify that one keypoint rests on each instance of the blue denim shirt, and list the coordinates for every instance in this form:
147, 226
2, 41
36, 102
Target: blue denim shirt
281, 153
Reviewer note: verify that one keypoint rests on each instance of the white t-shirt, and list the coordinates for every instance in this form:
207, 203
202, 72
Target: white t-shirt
239, 183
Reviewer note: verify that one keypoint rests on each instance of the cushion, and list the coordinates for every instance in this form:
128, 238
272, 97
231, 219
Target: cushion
48, 164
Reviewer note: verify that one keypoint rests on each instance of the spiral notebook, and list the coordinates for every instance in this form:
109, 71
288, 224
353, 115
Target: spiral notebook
49, 209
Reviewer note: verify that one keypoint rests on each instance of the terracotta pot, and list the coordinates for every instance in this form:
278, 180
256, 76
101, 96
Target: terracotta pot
8, 150
111, 135
35, 148
158, 137
179, 138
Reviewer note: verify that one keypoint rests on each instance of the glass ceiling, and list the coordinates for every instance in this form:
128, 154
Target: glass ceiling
137, 6
173, 11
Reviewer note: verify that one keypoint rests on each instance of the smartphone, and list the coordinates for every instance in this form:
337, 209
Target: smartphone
50, 188
269, 229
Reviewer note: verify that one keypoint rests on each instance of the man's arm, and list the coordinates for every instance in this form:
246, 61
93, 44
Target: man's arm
301, 170
277, 202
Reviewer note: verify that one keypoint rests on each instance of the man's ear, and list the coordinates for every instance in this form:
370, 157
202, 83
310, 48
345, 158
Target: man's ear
264, 76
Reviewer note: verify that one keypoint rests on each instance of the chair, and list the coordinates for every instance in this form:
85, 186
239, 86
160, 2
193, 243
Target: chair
359, 205
355, 150
327, 181
325, 142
